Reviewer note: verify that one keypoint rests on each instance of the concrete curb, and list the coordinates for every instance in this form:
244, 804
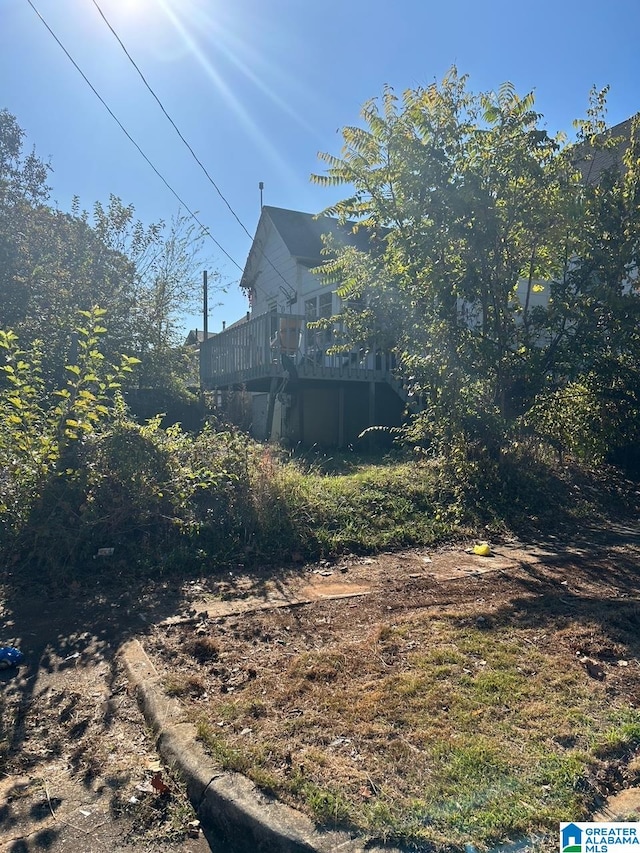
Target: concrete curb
227, 804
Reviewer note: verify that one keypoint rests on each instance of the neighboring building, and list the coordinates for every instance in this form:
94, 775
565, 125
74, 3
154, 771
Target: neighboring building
611, 156
301, 392
196, 337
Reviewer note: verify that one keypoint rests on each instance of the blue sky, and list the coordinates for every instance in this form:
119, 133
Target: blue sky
258, 87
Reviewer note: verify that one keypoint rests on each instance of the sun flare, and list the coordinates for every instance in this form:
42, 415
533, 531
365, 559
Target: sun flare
135, 7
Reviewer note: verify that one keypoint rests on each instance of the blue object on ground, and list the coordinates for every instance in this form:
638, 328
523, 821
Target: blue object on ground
9, 656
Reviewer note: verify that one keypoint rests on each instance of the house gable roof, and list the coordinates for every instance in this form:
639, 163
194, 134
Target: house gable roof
302, 233
196, 337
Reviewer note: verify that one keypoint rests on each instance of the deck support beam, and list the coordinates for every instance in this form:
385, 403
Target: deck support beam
341, 416
273, 389
372, 410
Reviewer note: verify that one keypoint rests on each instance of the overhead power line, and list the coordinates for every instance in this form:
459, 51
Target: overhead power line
204, 228
171, 121
186, 143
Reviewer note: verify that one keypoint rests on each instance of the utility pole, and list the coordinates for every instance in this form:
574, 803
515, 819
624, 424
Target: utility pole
205, 306
205, 334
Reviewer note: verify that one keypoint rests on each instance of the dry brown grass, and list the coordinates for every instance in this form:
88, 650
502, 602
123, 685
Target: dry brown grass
474, 718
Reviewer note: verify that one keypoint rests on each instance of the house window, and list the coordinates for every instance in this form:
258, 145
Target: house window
353, 303
319, 306
311, 308
316, 308
325, 305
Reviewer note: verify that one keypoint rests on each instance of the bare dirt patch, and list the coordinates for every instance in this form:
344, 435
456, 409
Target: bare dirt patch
76, 760
439, 697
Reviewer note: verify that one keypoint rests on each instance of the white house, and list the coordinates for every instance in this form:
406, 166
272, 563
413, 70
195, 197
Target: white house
300, 391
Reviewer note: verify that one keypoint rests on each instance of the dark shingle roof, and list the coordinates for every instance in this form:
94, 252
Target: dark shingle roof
302, 233
196, 337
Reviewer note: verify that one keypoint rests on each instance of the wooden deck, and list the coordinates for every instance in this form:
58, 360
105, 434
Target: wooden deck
273, 345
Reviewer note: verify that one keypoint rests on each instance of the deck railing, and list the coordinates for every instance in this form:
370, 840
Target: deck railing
258, 348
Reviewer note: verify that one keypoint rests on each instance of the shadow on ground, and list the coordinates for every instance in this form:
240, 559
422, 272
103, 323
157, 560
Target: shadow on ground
72, 744
590, 588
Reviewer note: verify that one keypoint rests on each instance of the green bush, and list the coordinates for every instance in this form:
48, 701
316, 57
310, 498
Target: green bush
79, 474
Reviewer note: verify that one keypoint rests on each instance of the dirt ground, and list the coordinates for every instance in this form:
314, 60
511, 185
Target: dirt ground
255, 619
76, 761
350, 625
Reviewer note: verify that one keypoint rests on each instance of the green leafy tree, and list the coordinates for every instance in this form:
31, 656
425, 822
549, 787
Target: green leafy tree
169, 286
42, 430
474, 210
22, 188
53, 264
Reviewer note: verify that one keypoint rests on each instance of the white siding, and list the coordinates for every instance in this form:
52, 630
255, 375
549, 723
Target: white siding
538, 295
276, 273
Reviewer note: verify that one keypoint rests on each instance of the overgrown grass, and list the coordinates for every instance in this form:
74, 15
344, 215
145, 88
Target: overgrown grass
373, 507
78, 475
165, 500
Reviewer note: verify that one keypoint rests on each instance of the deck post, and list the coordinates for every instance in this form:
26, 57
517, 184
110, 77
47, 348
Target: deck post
372, 410
341, 416
273, 388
